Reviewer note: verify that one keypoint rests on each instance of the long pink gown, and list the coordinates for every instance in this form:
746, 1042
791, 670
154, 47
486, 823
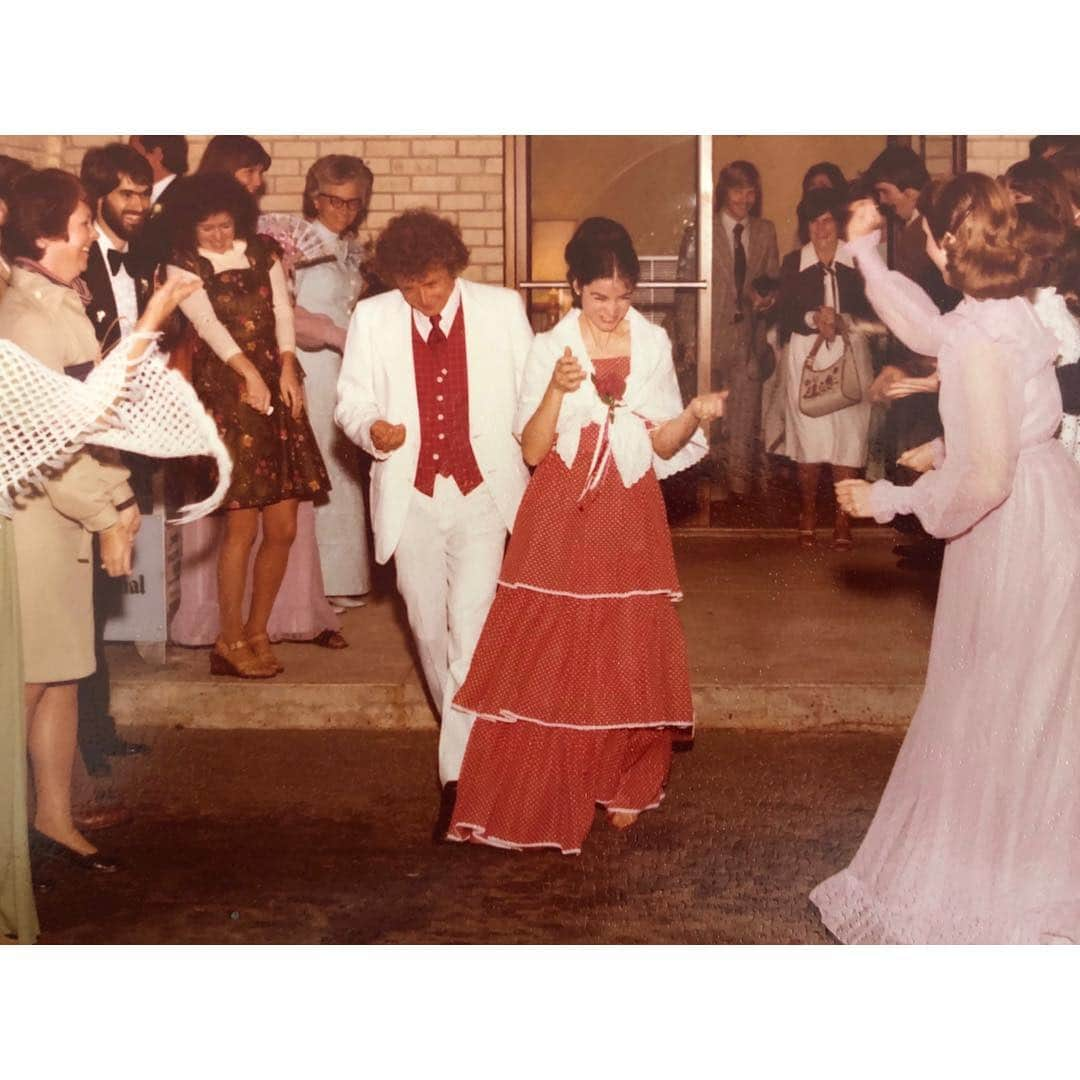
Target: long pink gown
977, 836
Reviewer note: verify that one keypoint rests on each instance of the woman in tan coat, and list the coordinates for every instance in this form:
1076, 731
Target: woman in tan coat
48, 234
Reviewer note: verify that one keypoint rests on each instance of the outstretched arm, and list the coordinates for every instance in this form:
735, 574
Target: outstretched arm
982, 397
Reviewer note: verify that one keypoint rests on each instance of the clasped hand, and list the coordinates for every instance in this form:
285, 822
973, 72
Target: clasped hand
853, 497
386, 437
709, 406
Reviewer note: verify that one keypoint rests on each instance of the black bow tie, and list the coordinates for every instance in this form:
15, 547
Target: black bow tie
118, 259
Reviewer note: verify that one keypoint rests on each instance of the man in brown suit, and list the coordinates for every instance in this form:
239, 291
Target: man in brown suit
744, 249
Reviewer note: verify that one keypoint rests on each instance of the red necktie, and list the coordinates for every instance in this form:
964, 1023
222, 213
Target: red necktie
436, 337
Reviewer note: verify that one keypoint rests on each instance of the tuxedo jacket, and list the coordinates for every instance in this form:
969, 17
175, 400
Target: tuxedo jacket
102, 307
153, 245
378, 382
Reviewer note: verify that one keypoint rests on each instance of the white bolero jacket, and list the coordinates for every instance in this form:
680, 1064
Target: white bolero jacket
652, 396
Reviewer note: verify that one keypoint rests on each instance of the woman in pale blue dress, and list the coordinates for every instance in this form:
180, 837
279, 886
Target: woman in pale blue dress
336, 197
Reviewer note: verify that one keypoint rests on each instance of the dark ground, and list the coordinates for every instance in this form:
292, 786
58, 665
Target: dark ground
261, 837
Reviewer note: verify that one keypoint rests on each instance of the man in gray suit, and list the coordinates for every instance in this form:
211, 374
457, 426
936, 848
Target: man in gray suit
744, 249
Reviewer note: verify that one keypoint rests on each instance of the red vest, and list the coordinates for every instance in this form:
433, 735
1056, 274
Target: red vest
442, 393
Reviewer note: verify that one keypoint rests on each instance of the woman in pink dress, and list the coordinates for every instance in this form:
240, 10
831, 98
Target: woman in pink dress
977, 836
579, 682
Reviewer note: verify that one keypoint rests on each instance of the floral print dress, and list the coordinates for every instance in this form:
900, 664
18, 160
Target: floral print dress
274, 457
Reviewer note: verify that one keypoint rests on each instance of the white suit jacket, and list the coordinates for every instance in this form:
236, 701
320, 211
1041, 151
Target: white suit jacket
378, 382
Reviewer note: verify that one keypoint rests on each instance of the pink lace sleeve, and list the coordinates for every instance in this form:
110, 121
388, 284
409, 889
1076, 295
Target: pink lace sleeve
981, 402
904, 308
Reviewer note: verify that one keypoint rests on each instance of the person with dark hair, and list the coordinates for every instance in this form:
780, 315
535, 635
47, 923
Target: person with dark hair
240, 156
10, 171
897, 176
976, 839
1047, 147
117, 180
429, 384
745, 249
1045, 220
168, 159
580, 681
336, 197
244, 369
824, 174
1067, 284
51, 233
822, 311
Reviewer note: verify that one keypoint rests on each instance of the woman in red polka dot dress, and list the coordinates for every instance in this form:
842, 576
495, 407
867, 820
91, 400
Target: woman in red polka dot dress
579, 682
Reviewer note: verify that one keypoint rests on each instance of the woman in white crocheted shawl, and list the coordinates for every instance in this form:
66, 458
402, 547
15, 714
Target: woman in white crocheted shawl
49, 232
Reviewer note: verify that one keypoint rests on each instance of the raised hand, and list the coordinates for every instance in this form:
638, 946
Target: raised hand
387, 437
165, 299
568, 374
865, 219
709, 406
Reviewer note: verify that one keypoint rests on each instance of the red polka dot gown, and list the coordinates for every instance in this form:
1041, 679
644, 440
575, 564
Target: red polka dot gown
579, 680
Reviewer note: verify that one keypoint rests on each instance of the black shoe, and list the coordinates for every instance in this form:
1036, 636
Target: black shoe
122, 748
45, 849
97, 764
446, 810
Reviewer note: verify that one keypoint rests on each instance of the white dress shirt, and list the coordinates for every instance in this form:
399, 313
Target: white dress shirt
123, 285
446, 316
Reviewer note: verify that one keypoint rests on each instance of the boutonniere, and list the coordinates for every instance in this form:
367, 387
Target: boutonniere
100, 316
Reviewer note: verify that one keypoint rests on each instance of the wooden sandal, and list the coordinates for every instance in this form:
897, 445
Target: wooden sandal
238, 661
260, 646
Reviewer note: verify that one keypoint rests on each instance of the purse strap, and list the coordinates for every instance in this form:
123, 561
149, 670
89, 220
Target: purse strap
816, 347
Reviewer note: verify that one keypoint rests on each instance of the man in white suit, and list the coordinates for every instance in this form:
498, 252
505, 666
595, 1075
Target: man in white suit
429, 385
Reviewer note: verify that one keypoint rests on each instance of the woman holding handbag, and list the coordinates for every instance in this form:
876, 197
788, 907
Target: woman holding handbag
826, 357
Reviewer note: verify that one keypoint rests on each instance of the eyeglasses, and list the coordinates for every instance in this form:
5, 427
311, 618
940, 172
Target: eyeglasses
342, 204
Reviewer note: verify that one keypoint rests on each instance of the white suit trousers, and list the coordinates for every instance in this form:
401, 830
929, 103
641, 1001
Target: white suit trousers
447, 564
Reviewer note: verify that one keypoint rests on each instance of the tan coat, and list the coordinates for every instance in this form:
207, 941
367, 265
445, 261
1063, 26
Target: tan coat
53, 528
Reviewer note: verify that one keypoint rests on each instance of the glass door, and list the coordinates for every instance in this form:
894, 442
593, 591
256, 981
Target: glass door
660, 188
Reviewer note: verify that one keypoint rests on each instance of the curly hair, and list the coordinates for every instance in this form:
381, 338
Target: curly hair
416, 242
973, 219
1068, 272
600, 248
40, 205
337, 169
195, 198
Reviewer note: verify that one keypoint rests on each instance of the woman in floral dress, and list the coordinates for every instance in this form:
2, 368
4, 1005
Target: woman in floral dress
580, 682
245, 371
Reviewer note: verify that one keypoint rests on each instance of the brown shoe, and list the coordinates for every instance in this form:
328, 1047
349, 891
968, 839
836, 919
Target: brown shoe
330, 639
260, 646
238, 661
101, 816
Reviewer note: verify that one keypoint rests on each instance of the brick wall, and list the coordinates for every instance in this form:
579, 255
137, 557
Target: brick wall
459, 176
993, 154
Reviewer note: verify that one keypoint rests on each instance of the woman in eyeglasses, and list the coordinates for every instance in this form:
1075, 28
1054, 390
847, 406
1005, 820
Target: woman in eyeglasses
336, 198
